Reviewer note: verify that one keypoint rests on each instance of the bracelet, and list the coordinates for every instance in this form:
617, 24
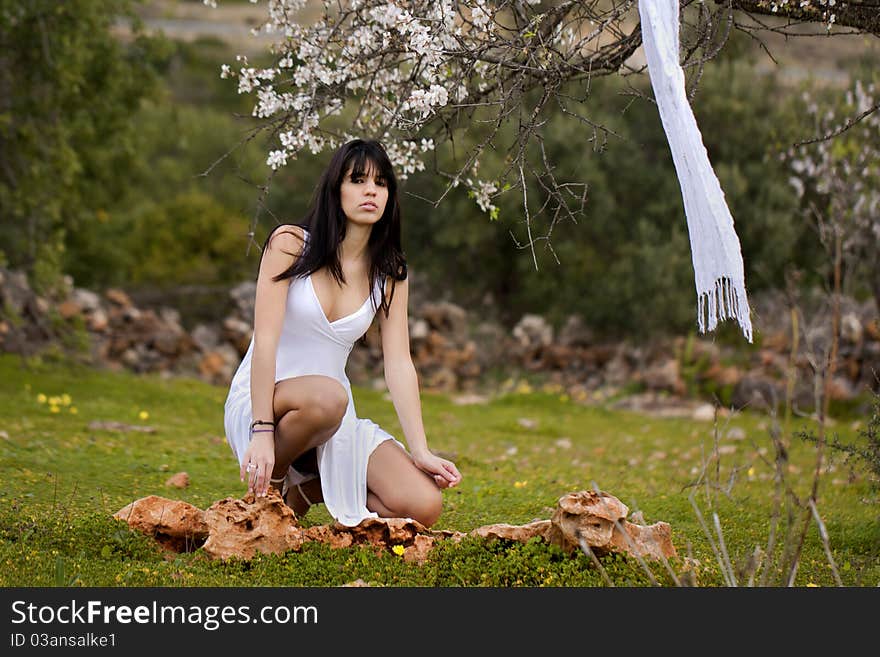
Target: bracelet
256, 422
262, 430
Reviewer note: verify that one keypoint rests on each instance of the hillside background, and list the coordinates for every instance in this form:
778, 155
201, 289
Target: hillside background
151, 205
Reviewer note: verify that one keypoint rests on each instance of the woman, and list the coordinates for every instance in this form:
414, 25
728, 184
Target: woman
289, 415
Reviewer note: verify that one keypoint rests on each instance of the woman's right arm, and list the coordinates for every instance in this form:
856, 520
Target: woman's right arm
282, 248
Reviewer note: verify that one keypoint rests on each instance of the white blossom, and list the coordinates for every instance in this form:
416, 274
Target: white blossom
277, 159
482, 191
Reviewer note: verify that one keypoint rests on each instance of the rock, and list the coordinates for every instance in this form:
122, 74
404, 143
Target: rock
329, 536
219, 365
447, 318
436, 343
86, 299
723, 375
97, 321
491, 339
704, 413
238, 333
131, 314
649, 542
118, 297
419, 550
356, 583
243, 527
384, 531
68, 309
663, 376
522, 533
574, 333
418, 330
548, 357
840, 389
706, 350
206, 338
657, 404
170, 340
112, 425
599, 519
587, 515
243, 296
778, 340
467, 399
441, 379
176, 525
851, 329
179, 480
16, 292
131, 358
617, 371
756, 391
533, 330
170, 316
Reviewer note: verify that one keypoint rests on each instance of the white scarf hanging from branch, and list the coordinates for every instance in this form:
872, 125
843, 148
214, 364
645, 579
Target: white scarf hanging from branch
715, 249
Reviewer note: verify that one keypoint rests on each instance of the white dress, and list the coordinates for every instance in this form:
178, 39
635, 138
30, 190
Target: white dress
311, 344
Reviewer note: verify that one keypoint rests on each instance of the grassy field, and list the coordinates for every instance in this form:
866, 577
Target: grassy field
61, 481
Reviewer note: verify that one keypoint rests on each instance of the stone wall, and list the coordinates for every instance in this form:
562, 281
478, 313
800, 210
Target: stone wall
457, 351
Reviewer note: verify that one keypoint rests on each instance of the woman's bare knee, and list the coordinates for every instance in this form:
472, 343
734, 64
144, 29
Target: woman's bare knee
426, 506
324, 405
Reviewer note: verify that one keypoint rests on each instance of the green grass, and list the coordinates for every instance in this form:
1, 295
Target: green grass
60, 483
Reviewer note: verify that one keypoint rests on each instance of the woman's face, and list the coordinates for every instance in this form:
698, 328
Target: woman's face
363, 197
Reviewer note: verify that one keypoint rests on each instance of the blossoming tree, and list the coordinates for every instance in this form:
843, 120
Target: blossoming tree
838, 178
419, 72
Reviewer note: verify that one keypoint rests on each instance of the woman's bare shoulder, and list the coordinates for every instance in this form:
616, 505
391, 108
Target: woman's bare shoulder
288, 238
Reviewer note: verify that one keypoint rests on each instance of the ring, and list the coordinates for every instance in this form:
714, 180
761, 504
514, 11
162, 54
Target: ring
251, 467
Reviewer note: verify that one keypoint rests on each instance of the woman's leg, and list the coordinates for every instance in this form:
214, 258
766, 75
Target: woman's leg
296, 501
396, 488
308, 411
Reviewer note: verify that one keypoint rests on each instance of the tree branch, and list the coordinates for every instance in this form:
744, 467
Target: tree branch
863, 16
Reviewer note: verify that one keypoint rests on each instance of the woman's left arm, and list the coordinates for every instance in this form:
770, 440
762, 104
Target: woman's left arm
403, 386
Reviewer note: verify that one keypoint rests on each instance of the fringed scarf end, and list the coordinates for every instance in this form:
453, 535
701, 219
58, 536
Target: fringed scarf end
726, 300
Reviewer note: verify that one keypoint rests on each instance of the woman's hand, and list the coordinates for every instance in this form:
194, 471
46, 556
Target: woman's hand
258, 462
444, 472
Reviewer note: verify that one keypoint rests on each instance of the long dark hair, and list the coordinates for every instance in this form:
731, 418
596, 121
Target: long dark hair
326, 222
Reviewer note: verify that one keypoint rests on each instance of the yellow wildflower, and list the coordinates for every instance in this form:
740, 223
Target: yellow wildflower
398, 550
812, 586
41, 398
54, 409
73, 410
65, 399
54, 400
520, 484
143, 415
